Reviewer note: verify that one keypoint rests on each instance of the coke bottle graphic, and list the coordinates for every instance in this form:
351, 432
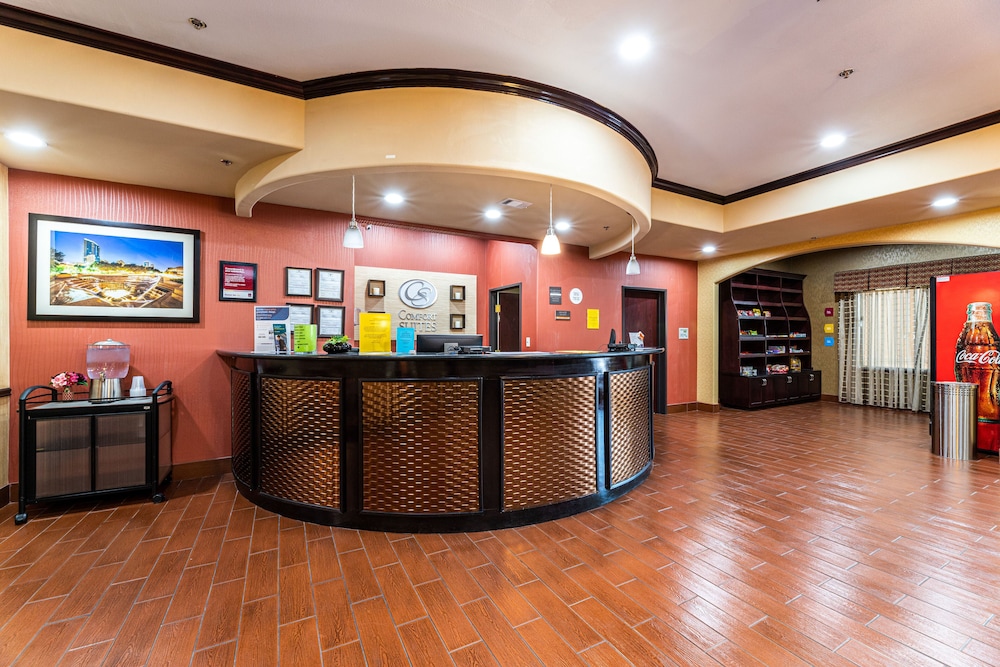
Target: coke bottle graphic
977, 360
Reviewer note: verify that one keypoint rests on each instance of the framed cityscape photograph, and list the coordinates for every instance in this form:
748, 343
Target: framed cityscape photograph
80, 269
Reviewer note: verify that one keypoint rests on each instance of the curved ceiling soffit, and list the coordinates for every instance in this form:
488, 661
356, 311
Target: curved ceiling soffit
329, 151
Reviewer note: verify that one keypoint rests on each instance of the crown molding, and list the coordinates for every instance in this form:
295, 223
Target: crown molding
77, 33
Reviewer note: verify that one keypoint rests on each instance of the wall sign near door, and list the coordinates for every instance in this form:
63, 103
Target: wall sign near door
562, 314
555, 296
576, 295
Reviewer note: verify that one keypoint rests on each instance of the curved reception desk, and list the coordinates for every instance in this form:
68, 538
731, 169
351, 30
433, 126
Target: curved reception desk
439, 443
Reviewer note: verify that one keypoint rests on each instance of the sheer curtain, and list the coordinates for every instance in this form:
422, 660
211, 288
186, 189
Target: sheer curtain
884, 352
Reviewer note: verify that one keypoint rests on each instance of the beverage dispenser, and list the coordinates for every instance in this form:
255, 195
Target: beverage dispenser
107, 364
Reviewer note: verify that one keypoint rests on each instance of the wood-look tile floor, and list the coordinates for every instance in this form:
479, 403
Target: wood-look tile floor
817, 534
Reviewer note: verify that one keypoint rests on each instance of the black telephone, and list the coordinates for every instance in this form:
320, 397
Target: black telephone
618, 347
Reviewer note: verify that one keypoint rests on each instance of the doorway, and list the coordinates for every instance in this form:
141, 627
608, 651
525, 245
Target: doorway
645, 309
505, 318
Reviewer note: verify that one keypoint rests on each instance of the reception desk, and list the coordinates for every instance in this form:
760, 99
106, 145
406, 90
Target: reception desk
439, 443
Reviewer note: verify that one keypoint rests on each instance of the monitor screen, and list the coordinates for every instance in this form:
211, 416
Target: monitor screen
446, 342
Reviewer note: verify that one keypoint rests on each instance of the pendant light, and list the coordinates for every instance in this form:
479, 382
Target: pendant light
550, 244
632, 268
352, 235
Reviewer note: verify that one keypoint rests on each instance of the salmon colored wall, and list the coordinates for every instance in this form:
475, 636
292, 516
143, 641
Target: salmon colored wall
512, 264
279, 236
601, 282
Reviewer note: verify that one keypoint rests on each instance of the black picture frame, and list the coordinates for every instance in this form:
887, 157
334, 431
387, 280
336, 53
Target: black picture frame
237, 281
298, 281
157, 270
330, 321
297, 311
329, 285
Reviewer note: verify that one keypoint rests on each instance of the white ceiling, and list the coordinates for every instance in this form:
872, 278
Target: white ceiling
735, 93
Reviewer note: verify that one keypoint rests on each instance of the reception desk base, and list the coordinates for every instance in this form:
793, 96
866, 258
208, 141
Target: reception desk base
438, 443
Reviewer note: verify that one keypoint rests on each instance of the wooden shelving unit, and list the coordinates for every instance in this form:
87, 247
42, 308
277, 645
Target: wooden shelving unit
765, 341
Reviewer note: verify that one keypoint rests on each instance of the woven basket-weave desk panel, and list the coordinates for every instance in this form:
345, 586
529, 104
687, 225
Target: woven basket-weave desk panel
420, 443
300, 440
630, 406
549, 440
240, 392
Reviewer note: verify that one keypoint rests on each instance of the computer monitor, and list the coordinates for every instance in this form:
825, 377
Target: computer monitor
446, 342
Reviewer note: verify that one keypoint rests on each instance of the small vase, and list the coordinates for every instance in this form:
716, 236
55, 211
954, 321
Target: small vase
67, 394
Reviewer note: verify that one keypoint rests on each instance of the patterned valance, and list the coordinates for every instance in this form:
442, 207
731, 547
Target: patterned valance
911, 275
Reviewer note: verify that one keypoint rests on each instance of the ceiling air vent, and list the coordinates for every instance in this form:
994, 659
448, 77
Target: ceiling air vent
514, 203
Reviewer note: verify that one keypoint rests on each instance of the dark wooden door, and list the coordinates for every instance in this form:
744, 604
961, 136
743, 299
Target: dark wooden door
645, 310
505, 318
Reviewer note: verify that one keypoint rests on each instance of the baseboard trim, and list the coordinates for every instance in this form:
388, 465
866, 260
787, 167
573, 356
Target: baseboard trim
6, 493
829, 397
198, 469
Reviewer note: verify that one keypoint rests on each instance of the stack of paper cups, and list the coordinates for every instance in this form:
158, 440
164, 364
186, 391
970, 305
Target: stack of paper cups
138, 386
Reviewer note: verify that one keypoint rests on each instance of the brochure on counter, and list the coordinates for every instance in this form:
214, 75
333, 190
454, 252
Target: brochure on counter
271, 328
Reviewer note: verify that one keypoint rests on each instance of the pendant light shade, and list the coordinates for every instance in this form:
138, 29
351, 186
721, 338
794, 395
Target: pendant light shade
632, 268
352, 235
550, 244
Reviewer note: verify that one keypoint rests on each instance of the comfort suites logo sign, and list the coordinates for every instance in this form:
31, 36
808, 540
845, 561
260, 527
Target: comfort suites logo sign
418, 293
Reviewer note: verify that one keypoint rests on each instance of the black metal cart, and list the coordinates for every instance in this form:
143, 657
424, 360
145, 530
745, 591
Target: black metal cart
89, 448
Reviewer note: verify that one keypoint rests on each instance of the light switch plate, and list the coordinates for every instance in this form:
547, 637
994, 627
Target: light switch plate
682, 333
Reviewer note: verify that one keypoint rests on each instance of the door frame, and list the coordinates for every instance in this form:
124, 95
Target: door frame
494, 300
660, 369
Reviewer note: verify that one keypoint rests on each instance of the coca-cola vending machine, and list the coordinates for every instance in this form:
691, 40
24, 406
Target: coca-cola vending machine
964, 343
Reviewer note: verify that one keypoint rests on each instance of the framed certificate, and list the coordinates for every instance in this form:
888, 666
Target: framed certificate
298, 281
300, 313
331, 321
329, 285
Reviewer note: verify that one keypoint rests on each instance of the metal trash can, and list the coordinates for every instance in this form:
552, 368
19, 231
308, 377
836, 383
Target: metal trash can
953, 415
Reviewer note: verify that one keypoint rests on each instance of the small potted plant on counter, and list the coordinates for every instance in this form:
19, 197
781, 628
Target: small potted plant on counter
337, 345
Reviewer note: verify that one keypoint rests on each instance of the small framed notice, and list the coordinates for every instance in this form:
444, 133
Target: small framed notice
300, 313
329, 285
298, 281
330, 321
237, 281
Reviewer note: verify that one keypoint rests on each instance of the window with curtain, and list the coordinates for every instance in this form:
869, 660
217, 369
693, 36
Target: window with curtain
884, 352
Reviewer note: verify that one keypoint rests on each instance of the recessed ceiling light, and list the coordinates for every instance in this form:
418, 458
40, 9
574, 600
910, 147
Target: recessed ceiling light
197, 23
26, 139
708, 249
635, 48
944, 202
393, 198
832, 140
563, 226
492, 214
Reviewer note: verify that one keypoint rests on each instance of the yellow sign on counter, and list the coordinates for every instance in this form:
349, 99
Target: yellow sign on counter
593, 318
375, 333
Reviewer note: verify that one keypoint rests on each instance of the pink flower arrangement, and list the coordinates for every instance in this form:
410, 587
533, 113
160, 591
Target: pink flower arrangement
68, 379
